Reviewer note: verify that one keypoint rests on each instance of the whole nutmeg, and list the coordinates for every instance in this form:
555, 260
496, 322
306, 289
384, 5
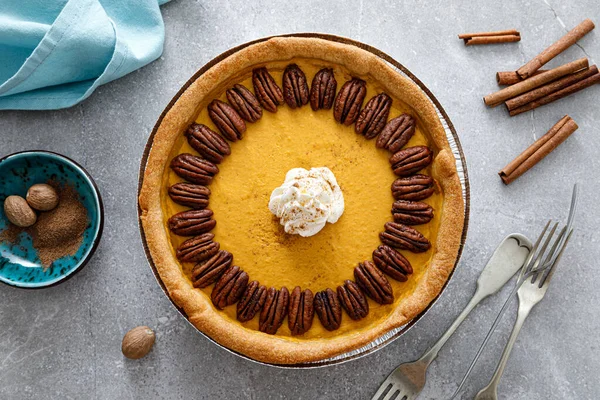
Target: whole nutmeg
18, 211
42, 197
138, 342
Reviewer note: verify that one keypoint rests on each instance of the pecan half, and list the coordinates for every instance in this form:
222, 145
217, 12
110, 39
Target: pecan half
412, 212
194, 169
301, 311
373, 117
397, 133
404, 237
209, 144
268, 93
410, 160
229, 122
198, 248
192, 222
328, 309
189, 194
295, 88
229, 288
322, 90
349, 101
210, 271
415, 187
244, 102
373, 283
353, 300
274, 310
251, 302
392, 263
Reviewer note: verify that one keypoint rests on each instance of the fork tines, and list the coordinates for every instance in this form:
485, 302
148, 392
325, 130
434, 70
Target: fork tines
533, 264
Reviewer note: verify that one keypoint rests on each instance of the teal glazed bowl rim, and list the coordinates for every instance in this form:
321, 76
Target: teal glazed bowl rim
100, 217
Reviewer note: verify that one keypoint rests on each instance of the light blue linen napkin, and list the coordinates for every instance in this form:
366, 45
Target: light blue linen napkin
55, 53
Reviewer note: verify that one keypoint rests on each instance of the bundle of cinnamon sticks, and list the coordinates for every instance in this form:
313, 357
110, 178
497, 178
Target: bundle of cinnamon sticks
530, 87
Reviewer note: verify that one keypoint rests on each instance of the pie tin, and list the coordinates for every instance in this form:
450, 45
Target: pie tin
455, 146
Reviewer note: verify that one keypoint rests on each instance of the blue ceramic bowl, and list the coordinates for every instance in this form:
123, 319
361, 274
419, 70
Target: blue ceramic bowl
19, 263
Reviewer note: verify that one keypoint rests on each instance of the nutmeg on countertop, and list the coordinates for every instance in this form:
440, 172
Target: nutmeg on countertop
138, 342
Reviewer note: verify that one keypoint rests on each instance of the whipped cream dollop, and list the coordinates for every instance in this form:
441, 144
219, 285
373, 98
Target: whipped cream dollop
307, 200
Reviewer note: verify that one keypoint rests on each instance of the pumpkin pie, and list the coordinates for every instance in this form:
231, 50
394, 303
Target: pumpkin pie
300, 199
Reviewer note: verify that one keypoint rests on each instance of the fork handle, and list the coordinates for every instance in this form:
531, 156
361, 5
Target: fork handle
487, 338
432, 353
521, 317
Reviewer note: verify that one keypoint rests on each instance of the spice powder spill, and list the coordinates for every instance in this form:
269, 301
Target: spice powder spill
58, 232
11, 234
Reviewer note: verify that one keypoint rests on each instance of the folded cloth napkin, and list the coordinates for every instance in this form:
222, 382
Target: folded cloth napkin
54, 53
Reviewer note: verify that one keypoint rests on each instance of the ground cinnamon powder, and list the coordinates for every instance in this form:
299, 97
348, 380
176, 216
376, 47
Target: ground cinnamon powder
58, 232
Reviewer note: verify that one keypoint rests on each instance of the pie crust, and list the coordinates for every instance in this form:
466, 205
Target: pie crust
279, 349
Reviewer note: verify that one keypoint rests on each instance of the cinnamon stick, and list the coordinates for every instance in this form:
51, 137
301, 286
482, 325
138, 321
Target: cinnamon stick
559, 94
495, 33
490, 37
550, 88
501, 96
538, 150
556, 48
506, 78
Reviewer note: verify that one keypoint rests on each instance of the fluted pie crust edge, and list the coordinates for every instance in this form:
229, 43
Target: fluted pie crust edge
198, 307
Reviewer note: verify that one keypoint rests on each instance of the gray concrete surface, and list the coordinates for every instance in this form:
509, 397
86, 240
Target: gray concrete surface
64, 342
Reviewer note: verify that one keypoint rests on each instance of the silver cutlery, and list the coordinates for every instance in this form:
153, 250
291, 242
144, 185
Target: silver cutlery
409, 378
531, 269
530, 293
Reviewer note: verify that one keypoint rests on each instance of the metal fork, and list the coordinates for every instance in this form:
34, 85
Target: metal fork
531, 269
407, 380
530, 293
507, 259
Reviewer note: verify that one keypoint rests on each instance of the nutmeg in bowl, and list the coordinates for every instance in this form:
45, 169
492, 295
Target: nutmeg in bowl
42, 197
51, 218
